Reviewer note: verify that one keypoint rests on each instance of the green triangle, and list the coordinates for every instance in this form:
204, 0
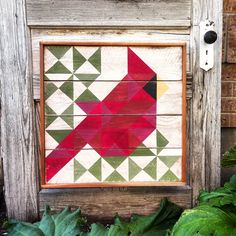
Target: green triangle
169, 176
87, 96
95, 59
58, 51
67, 88
134, 169
79, 170
58, 135
87, 77
46, 78
69, 110
78, 59
161, 140
49, 89
49, 120
70, 78
58, 68
115, 161
151, 168
115, 177
69, 120
96, 169
142, 150
169, 160
87, 83
48, 110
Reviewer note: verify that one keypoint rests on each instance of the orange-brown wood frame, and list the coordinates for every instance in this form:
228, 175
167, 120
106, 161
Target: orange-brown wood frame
42, 121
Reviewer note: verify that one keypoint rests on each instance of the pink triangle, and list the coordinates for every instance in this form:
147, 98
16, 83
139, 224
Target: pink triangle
137, 69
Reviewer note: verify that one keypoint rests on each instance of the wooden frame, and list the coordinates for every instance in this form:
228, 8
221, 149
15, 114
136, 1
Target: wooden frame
42, 120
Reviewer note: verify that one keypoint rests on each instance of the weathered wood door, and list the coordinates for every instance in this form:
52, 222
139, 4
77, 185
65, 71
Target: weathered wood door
26, 23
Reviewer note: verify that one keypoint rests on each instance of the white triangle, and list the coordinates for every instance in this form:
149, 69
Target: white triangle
151, 140
50, 142
58, 76
78, 120
123, 169
87, 52
58, 124
65, 175
87, 156
107, 169
58, 84
161, 168
142, 161
87, 177
87, 68
102, 89
75, 77
142, 176
47, 152
67, 59
78, 111
177, 168
49, 60
79, 88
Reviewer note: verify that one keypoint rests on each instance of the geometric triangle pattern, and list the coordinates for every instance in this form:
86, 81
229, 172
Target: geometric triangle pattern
100, 129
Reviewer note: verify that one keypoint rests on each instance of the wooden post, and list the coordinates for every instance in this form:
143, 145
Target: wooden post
205, 126
17, 116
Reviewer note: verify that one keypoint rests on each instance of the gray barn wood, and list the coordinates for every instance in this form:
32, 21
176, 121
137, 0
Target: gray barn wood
109, 13
205, 122
17, 116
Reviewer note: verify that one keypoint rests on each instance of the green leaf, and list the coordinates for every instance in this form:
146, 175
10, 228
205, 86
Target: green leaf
25, 229
205, 220
221, 197
162, 220
229, 157
66, 223
158, 223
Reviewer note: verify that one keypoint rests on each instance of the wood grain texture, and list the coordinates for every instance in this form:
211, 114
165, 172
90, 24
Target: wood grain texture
205, 122
76, 35
17, 115
36, 87
108, 13
101, 204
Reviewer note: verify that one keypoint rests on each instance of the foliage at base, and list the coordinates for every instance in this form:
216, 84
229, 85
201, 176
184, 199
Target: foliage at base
69, 223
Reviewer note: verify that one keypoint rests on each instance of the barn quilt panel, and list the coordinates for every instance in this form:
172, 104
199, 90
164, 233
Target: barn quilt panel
112, 114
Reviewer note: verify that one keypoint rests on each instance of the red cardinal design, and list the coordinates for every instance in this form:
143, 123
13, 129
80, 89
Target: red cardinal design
130, 118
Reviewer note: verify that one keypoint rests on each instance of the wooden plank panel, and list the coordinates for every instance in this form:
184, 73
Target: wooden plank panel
205, 124
59, 99
89, 167
188, 87
101, 204
104, 13
75, 35
169, 126
17, 114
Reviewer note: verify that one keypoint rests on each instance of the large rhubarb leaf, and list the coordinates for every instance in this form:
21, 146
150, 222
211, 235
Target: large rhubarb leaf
221, 197
204, 221
66, 223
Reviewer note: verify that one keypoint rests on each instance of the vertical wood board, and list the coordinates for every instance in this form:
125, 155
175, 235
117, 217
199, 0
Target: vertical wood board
17, 115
